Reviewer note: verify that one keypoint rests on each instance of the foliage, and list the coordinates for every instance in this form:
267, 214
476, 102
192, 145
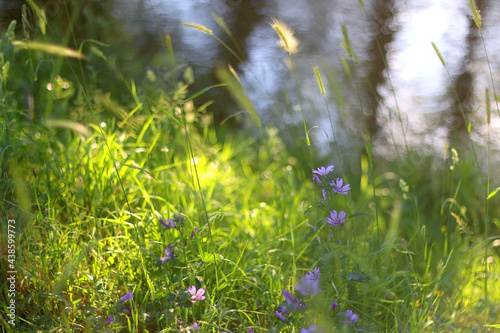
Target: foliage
132, 214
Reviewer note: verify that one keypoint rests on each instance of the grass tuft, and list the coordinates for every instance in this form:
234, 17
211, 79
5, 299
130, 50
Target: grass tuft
131, 212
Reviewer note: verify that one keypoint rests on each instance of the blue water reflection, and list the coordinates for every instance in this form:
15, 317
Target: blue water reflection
415, 86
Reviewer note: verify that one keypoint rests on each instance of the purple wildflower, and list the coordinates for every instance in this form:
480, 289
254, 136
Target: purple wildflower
311, 329
127, 310
335, 218
292, 304
334, 305
169, 252
195, 326
324, 193
339, 187
196, 295
127, 296
109, 320
193, 232
250, 330
279, 315
169, 224
313, 276
309, 285
322, 171
351, 317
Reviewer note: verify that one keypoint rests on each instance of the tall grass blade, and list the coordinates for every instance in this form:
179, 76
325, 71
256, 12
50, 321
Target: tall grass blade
488, 106
438, 54
49, 48
347, 67
222, 24
239, 95
320, 81
170, 49
224, 27
287, 41
493, 193
204, 90
347, 43
40, 14
68, 124
22, 195
290, 44
231, 69
198, 27
475, 14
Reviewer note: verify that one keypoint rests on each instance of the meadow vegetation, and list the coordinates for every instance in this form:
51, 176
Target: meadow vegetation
134, 212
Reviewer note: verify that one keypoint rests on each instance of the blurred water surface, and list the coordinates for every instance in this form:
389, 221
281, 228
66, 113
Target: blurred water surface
411, 85
399, 93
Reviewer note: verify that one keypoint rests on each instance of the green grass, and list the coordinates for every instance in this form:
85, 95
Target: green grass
87, 181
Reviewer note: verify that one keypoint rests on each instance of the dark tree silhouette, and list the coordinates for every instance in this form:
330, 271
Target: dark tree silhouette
383, 15
241, 20
462, 90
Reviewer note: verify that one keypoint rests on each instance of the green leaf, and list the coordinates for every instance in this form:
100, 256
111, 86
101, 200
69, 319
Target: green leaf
204, 90
49, 48
211, 257
198, 27
358, 277
68, 124
475, 14
492, 194
320, 81
438, 54
238, 94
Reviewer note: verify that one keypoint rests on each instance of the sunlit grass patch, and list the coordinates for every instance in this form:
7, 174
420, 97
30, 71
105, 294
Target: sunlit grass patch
146, 220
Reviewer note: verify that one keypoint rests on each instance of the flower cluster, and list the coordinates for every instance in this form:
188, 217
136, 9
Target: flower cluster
178, 239
327, 184
290, 305
196, 295
169, 254
172, 223
351, 317
309, 285
330, 186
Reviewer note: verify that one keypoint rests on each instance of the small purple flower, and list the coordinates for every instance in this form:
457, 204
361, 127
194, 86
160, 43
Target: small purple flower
309, 285
127, 310
317, 180
195, 231
335, 218
324, 193
196, 295
127, 296
311, 329
195, 326
279, 315
334, 305
109, 320
169, 252
292, 304
169, 224
322, 171
250, 330
338, 186
351, 317
313, 276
